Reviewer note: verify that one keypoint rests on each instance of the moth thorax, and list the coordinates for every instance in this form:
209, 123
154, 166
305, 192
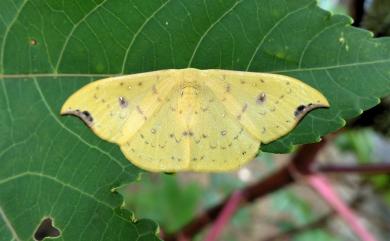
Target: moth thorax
190, 82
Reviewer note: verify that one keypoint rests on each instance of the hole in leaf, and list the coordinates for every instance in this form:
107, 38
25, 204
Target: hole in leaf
46, 229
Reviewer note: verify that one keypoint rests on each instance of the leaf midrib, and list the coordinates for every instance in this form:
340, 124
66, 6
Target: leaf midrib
78, 75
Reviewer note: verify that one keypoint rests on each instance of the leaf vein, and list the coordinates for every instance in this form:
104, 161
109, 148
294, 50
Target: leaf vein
9, 225
138, 33
270, 31
209, 29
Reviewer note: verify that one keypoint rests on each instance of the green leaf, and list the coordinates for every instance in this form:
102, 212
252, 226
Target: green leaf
53, 166
360, 142
315, 234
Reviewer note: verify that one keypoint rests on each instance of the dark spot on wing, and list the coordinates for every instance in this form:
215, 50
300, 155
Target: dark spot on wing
123, 102
299, 110
228, 88
261, 98
154, 89
188, 133
87, 115
244, 107
139, 109
263, 113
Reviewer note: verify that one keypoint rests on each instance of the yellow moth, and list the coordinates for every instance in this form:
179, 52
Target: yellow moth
193, 120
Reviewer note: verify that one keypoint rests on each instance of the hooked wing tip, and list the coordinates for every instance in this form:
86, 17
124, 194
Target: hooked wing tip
84, 115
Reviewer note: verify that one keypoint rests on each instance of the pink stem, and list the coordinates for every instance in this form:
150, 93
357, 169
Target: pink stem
225, 215
323, 187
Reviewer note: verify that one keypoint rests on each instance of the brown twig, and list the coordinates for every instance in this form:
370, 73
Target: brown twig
301, 161
377, 168
357, 11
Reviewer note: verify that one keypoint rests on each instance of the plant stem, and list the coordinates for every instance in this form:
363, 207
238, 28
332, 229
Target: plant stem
324, 188
377, 168
225, 216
